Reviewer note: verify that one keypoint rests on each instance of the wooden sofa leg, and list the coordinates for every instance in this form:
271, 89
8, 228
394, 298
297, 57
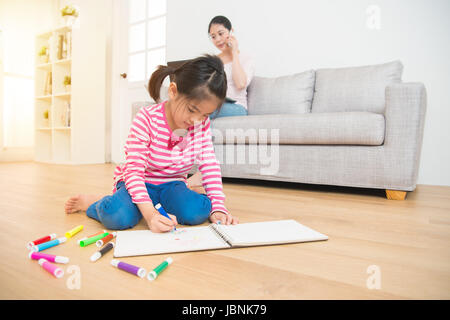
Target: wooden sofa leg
395, 194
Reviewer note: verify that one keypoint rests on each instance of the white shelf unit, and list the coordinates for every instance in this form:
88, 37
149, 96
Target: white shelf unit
74, 132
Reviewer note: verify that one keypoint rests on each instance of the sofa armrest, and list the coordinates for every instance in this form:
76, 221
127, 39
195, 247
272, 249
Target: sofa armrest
405, 117
405, 113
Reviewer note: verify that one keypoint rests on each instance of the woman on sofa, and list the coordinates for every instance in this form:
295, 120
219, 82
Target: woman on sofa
239, 71
238, 67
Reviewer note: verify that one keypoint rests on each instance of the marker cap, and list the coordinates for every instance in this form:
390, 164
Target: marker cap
115, 262
61, 259
95, 256
152, 275
62, 239
141, 272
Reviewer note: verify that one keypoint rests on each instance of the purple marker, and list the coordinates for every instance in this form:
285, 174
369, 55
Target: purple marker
140, 272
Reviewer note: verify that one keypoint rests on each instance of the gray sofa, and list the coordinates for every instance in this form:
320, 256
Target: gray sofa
356, 127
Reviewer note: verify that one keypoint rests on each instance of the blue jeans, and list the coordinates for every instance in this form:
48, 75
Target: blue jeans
229, 110
118, 212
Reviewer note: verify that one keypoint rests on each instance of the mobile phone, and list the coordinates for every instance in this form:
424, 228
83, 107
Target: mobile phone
231, 33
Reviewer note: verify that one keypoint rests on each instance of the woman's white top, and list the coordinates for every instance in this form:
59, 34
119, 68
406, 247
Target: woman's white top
232, 92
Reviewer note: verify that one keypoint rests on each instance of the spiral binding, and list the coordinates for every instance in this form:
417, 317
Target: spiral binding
228, 240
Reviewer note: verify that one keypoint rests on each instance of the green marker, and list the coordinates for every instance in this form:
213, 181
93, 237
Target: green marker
88, 241
155, 272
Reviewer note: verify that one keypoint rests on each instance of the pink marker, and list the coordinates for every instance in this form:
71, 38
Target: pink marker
48, 257
41, 240
50, 267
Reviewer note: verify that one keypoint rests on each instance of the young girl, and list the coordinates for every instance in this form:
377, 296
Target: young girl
158, 158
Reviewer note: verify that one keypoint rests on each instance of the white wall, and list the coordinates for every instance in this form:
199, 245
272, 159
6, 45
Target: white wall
287, 36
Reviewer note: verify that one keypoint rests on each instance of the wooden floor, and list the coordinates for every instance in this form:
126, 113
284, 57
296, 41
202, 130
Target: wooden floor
407, 241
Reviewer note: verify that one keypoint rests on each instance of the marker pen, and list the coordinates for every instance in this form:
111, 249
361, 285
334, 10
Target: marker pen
52, 268
152, 275
49, 244
97, 255
163, 212
91, 240
140, 272
48, 257
74, 231
92, 235
106, 239
41, 240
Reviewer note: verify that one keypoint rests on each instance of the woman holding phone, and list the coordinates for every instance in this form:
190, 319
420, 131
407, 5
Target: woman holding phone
238, 67
239, 71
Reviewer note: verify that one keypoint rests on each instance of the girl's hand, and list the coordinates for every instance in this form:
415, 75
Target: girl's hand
233, 44
224, 218
158, 223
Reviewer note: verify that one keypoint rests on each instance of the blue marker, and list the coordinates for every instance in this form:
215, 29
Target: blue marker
49, 244
163, 212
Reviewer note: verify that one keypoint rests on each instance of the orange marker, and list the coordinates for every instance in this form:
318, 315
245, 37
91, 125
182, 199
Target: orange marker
106, 239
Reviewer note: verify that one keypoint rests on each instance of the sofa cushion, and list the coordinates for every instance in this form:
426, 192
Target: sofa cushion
337, 128
354, 89
287, 94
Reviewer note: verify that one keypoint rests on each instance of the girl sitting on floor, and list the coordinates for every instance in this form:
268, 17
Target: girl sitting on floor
158, 157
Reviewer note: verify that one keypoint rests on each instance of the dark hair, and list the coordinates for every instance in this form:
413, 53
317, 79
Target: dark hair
195, 79
220, 20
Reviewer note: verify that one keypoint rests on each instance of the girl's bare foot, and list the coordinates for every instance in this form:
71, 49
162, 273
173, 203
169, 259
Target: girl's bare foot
80, 202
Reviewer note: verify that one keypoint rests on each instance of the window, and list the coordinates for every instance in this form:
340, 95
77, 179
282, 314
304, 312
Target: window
146, 38
16, 79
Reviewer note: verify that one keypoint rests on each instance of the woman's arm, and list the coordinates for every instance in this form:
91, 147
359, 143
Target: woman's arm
238, 73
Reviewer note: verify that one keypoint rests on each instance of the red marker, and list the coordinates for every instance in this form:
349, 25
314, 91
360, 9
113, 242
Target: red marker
41, 240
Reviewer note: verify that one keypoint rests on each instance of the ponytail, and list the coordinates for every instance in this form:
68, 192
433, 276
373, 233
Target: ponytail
198, 78
156, 80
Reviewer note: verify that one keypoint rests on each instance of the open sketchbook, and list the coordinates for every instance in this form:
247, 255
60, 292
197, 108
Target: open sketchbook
214, 236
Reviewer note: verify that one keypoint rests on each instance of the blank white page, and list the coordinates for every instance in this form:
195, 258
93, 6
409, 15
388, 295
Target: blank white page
145, 242
269, 232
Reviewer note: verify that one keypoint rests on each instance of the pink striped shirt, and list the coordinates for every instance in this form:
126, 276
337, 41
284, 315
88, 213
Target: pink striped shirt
149, 158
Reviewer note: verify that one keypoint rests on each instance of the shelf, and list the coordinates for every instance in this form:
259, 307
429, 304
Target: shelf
62, 95
47, 97
62, 29
76, 114
63, 62
46, 34
45, 66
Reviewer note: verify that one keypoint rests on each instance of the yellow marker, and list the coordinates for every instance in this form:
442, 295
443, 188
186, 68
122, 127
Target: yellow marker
71, 233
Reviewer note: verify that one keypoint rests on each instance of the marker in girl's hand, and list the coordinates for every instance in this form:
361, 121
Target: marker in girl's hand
163, 212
